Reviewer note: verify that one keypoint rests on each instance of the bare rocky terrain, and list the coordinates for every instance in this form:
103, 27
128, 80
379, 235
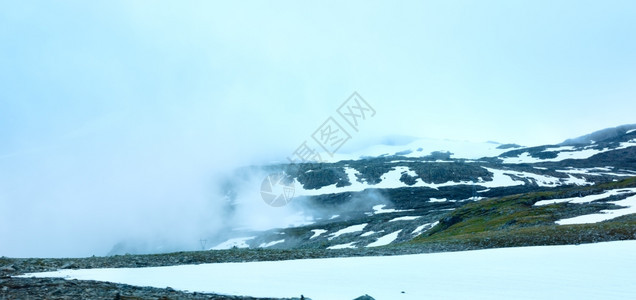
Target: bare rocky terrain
467, 212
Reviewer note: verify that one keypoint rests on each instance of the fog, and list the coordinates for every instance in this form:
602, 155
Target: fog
120, 121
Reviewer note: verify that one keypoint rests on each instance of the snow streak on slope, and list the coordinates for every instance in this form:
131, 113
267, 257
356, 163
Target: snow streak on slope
426, 226
564, 153
385, 240
629, 205
588, 198
391, 180
540, 180
343, 246
379, 209
404, 218
265, 245
350, 229
594, 172
424, 147
317, 233
589, 271
235, 242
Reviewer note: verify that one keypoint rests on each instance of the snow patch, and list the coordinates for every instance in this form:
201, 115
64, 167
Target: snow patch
424, 147
239, 242
426, 226
350, 229
386, 239
594, 172
629, 205
499, 179
504, 178
557, 149
588, 198
543, 272
405, 218
436, 200
317, 233
585, 153
576, 181
343, 246
391, 180
379, 209
265, 245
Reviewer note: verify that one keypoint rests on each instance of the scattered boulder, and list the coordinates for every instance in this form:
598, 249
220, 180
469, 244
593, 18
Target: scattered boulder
9, 268
364, 297
69, 265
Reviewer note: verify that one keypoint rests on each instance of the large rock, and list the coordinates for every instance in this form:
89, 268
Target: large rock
365, 297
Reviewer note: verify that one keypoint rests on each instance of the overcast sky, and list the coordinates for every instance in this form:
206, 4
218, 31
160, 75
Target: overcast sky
110, 107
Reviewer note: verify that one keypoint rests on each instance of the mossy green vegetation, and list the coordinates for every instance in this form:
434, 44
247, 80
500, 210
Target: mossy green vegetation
514, 221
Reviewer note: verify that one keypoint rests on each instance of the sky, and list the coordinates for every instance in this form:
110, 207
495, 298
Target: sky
115, 116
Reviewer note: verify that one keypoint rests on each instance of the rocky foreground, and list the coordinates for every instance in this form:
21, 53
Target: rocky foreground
58, 288
13, 287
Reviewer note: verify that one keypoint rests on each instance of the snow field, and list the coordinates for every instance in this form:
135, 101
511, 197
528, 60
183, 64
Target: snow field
588, 271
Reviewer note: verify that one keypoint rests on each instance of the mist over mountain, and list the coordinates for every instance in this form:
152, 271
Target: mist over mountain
330, 150
391, 194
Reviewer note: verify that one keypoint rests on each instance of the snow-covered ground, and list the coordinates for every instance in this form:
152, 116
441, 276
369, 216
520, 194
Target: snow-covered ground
385, 240
588, 198
272, 243
379, 209
350, 229
422, 228
588, 271
391, 180
437, 200
343, 246
240, 242
566, 152
628, 204
368, 233
594, 172
404, 218
423, 147
317, 233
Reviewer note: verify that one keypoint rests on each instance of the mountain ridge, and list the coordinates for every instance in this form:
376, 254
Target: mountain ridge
395, 198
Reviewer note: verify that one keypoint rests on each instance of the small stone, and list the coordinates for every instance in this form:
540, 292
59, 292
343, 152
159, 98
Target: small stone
8, 268
69, 265
364, 297
57, 292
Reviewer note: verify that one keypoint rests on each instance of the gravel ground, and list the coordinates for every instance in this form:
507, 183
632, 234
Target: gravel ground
18, 266
57, 288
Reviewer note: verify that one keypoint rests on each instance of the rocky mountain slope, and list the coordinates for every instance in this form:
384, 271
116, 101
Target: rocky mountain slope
581, 191
393, 199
